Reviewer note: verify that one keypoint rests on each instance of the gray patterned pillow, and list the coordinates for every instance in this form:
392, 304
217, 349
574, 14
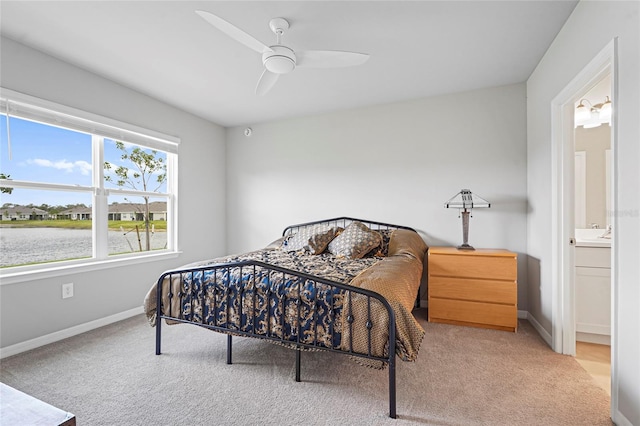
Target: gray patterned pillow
355, 241
313, 239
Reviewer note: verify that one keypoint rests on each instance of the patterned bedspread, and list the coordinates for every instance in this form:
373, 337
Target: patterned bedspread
269, 303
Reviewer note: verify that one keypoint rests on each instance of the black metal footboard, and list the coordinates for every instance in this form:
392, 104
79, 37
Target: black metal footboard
301, 311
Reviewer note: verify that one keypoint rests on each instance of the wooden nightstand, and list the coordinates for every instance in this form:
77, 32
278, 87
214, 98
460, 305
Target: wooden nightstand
476, 288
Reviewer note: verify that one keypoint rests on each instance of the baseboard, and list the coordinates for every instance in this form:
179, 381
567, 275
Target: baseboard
68, 332
543, 333
582, 327
619, 419
598, 339
523, 314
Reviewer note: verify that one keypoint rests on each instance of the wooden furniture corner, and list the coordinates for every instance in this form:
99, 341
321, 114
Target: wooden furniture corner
18, 408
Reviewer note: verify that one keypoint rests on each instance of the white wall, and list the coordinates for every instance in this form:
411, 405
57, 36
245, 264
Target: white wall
33, 309
395, 163
589, 29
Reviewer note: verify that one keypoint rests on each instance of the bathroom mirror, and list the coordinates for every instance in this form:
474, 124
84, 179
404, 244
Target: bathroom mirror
593, 160
593, 147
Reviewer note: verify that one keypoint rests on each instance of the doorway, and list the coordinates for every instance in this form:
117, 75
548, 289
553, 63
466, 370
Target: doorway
592, 278
564, 205
592, 146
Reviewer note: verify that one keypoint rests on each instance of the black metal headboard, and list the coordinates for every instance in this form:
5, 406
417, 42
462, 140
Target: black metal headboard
343, 222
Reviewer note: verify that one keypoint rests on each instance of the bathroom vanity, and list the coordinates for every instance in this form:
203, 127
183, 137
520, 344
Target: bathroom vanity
593, 286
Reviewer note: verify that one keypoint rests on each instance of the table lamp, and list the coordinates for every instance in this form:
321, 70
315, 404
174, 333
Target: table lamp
466, 201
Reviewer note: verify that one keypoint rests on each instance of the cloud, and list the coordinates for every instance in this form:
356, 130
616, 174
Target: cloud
76, 166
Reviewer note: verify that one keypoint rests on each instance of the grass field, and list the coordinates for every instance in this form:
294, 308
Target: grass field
159, 225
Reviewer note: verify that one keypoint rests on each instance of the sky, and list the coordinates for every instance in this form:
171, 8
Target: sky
44, 153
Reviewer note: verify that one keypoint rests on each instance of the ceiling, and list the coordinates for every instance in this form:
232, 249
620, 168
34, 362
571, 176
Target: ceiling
418, 49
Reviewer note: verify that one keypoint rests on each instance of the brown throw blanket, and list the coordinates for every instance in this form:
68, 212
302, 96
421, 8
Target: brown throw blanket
397, 278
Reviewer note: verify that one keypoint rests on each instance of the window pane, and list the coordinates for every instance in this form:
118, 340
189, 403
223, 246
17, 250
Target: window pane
43, 153
129, 166
44, 230
48, 216
128, 231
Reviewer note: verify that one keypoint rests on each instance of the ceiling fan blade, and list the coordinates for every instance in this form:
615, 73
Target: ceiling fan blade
329, 59
234, 32
266, 82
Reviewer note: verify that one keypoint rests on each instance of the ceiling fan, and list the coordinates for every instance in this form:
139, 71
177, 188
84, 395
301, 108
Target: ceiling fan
279, 59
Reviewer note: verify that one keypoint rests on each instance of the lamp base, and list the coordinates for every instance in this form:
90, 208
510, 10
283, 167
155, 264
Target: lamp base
465, 247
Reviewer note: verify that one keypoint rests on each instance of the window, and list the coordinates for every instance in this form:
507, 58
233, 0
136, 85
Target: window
78, 187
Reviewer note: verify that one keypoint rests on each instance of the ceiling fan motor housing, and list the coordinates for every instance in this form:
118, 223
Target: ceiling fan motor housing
280, 60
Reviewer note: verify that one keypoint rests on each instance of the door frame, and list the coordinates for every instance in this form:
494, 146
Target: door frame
563, 333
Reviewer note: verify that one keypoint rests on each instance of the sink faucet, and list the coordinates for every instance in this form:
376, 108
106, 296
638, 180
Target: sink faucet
607, 233
595, 226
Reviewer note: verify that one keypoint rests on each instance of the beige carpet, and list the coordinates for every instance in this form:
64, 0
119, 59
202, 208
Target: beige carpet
463, 376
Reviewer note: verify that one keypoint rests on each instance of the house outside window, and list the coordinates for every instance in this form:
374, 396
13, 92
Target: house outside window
76, 187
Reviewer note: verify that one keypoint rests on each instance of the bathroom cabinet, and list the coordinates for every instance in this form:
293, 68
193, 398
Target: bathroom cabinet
593, 294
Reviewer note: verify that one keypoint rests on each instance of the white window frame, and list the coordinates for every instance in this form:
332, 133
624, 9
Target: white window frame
23, 106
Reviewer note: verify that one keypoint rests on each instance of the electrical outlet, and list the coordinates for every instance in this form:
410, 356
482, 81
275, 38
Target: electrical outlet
67, 290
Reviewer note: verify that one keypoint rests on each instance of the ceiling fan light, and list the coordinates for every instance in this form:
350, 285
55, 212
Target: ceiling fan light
279, 64
280, 60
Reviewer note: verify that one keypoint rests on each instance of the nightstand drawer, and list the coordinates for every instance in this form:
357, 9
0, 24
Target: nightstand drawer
473, 313
473, 266
473, 290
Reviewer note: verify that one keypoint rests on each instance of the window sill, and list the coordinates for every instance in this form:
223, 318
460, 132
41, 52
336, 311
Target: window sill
22, 274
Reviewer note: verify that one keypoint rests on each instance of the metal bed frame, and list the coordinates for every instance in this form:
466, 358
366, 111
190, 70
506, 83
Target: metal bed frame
301, 279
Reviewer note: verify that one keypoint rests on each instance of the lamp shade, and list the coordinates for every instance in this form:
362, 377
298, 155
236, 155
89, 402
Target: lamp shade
605, 111
582, 114
465, 199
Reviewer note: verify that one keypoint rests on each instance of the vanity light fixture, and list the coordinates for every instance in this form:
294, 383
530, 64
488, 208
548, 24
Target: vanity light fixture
592, 115
465, 201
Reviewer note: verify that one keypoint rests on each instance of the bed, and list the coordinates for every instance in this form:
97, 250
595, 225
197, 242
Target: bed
343, 285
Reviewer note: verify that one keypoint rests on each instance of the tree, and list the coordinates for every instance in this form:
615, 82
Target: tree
5, 190
148, 173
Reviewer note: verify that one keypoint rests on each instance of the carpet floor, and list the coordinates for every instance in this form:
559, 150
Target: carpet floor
463, 376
